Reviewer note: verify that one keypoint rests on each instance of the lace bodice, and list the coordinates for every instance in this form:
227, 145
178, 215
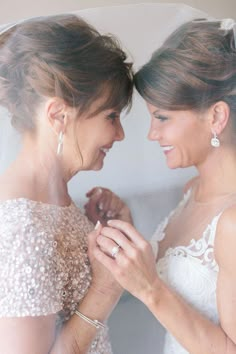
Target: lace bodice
190, 270
44, 267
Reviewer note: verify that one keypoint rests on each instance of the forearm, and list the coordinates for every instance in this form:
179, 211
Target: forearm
194, 331
77, 335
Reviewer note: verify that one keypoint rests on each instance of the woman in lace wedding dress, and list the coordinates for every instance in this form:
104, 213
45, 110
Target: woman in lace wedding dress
57, 79
189, 281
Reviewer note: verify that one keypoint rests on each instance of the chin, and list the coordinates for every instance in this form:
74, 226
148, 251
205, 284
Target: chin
97, 166
173, 166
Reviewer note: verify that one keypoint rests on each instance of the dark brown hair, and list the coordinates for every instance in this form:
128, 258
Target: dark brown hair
194, 68
60, 56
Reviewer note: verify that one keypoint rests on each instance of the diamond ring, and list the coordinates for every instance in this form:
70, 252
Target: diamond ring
115, 251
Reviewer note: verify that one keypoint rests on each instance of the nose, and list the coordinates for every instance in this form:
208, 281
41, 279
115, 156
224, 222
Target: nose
154, 132
120, 134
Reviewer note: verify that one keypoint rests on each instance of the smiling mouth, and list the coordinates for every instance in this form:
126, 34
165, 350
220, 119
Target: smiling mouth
104, 150
167, 148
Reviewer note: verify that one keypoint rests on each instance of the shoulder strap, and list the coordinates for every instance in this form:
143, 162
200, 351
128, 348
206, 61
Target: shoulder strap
213, 227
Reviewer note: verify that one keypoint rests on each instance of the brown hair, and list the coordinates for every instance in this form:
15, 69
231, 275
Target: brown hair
60, 56
194, 68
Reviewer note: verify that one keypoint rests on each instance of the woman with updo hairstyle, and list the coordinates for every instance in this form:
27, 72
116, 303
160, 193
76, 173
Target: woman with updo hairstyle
186, 276
64, 85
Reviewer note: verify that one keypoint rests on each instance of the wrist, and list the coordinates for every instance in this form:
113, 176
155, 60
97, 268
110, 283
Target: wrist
97, 304
153, 293
114, 291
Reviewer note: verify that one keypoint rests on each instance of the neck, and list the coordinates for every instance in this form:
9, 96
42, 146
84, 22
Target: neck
41, 173
217, 175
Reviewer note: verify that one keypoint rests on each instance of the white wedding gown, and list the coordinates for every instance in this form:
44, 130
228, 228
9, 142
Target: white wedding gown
191, 270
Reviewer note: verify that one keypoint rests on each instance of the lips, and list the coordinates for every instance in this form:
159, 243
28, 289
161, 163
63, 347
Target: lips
105, 150
167, 148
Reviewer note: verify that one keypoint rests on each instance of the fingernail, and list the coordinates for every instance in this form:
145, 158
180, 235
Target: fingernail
109, 222
109, 214
97, 225
99, 191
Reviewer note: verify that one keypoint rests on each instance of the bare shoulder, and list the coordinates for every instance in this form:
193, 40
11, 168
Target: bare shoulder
225, 241
191, 183
12, 187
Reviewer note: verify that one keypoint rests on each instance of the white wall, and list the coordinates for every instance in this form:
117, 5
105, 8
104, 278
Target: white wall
15, 9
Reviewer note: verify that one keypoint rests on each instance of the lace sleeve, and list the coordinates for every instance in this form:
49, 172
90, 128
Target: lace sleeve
27, 270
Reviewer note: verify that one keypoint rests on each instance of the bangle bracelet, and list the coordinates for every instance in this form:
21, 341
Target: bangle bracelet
94, 323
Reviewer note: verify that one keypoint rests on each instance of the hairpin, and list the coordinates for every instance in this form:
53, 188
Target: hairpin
228, 24
7, 27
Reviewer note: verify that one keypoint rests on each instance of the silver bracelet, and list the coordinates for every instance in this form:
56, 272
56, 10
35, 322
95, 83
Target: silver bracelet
94, 323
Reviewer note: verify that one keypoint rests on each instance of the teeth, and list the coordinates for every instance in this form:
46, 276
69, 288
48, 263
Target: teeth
167, 148
104, 150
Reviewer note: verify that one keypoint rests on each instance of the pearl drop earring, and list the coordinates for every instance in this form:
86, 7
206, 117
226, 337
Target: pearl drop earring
215, 142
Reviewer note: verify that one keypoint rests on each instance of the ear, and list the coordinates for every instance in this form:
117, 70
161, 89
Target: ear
56, 111
220, 116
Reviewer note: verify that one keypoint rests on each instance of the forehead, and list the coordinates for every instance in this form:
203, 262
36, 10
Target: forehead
152, 108
188, 116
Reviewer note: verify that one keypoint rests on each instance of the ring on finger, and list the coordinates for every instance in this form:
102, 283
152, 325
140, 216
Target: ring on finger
115, 250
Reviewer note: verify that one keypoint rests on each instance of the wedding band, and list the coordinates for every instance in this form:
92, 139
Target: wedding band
115, 250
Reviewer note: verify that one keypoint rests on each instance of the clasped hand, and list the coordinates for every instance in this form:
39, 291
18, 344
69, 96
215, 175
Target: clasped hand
104, 205
129, 257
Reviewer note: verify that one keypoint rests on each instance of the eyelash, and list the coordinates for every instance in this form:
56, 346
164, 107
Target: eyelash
113, 116
161, 118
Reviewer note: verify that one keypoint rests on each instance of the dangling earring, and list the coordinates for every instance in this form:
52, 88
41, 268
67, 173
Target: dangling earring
60, 143
215, 142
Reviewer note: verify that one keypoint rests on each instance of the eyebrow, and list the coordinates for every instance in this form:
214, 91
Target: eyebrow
157, 111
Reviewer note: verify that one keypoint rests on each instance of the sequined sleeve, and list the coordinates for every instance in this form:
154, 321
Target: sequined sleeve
27, 270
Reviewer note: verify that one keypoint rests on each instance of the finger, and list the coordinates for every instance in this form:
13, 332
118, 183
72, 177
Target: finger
115, 203
111, 201
110, 214
93, 192
129, 230
117, 237
105, 201
92, 213
113, 207
92, 236
90, 192
106, 244
104, 259
112, 264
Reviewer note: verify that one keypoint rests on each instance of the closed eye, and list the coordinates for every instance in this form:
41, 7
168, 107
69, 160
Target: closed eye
113, 116
160, 117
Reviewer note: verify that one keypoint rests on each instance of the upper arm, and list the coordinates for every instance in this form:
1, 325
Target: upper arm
225, 252
29, 299
27, 335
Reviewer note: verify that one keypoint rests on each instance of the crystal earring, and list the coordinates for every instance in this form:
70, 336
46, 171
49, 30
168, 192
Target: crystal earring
215, 142
60, 143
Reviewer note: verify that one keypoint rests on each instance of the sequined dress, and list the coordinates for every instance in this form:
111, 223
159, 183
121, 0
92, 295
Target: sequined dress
44, 267
191, 269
